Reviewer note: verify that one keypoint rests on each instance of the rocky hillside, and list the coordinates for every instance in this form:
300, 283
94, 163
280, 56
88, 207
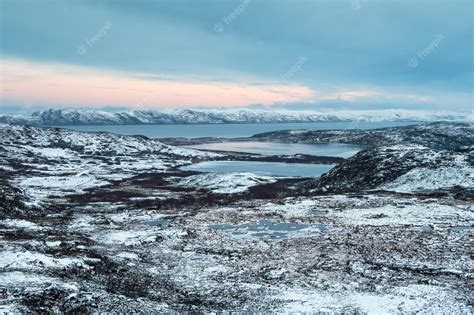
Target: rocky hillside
375, 167
414, 158
438, 136
52, 161
99, 143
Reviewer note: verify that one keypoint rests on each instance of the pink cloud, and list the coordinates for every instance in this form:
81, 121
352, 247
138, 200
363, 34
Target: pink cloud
55, 84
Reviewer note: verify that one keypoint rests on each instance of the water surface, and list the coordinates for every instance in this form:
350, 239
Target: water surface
261, 168
274, 148
270, 230
161, 223
227, 130
462, 229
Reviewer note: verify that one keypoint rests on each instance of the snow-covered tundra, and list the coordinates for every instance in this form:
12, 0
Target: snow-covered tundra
96, 222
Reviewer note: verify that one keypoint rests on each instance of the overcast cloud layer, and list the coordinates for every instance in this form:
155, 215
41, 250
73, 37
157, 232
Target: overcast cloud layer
300, 54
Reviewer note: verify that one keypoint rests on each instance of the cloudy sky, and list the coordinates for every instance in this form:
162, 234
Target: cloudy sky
297, 54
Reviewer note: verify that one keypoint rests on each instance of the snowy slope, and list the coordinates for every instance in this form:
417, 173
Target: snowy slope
54, 141
404, 168
426, 179
56, 162
438, 136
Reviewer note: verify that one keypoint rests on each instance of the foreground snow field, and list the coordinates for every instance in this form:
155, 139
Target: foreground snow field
95, 222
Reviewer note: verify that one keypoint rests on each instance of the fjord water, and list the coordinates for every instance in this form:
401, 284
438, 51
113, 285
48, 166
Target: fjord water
261, 168
227, 130
274, 148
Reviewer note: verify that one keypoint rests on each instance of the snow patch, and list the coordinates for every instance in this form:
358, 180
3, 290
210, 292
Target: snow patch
128, 238
128, 255
21, 224
410, 299
33, 260
291, 207
229, 183
425, 179
414, 214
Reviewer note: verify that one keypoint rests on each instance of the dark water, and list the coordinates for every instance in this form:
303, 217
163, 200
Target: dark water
261, 168
227, 130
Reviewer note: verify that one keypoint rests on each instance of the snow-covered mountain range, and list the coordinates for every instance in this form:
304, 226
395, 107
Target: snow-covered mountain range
226, 116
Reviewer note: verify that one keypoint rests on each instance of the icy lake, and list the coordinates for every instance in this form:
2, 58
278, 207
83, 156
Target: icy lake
261, 168
274, 148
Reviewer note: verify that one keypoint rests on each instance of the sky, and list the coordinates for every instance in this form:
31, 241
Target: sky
292, 54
